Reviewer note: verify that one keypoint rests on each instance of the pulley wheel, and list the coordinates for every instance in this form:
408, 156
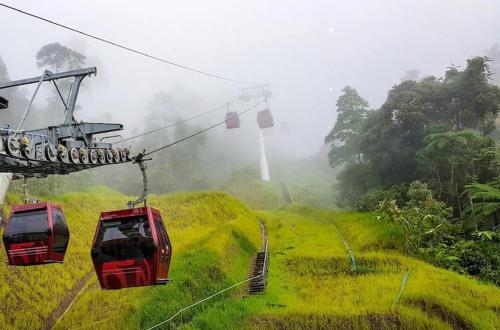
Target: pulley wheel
74, 156
84, 155
29, 151
116, 155
123, 154
13, 145
63, 154
93, 156
51, 153
129, 154
101, 156
109, 155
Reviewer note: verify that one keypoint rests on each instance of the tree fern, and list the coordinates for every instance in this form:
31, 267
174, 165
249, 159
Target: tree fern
484, 198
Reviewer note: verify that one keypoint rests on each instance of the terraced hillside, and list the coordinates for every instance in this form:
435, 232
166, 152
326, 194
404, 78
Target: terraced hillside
313, 280
213, 237
314, 283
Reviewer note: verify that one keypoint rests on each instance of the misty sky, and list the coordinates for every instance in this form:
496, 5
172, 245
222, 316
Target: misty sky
306, 50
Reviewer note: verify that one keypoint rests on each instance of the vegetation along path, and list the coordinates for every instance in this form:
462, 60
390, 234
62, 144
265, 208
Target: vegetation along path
67, 301
311, 284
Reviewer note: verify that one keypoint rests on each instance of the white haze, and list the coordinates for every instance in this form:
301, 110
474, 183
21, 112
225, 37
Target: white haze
306, 50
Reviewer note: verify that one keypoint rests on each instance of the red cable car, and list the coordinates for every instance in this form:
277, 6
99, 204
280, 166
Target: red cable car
36, 234
265, 119
232, 120
131, 248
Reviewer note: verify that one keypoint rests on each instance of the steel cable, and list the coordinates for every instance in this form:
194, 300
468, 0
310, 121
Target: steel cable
217, 293
201, 131
123, 46
175, 124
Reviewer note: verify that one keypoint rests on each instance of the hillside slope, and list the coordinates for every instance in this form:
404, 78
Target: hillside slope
213, 238
312, 280
314, 285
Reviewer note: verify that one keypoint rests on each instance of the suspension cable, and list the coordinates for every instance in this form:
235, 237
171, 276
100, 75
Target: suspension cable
203, 130
174, 124
142, 53
263, 274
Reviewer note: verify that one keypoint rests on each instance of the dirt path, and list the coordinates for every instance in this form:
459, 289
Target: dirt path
66, 302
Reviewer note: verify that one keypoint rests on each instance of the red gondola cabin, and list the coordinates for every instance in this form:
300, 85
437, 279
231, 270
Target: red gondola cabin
131, 248
265, 119
232, 120
36, 234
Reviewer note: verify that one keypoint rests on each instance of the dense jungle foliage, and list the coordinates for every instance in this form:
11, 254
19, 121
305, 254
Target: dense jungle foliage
428, 160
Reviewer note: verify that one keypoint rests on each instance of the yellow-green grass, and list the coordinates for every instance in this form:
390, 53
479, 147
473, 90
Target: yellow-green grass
30, 294
311, 281
213, 238
320, 290
255, 193
198, 223
312, 284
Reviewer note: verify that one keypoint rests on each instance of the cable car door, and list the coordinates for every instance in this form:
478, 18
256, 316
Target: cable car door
164, 251
27, 237
60, 235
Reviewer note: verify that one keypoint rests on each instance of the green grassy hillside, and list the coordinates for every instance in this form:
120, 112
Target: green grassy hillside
312, 282
313, 277
213, 237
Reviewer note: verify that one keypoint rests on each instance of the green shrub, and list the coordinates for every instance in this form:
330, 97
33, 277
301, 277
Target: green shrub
430, 234
371, 200
423, 219
477, 258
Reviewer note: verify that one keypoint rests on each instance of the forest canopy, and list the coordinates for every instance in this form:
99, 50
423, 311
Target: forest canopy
434, 135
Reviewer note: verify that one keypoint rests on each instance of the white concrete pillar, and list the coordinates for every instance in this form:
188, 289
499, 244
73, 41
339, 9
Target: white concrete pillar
264, 168
5, 179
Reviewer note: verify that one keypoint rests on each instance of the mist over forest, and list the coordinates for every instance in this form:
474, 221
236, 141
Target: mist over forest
383, 123
324, 53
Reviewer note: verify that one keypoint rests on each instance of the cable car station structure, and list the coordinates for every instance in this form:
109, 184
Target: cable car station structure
61, 149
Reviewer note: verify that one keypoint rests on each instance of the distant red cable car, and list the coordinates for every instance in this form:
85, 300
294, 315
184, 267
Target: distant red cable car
265, 119
131, 248
36, 234
232, 120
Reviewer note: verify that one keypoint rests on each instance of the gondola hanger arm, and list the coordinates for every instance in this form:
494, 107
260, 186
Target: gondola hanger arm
27, 198
141, 161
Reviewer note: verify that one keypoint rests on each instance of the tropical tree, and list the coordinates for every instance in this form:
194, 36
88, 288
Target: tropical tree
473, 101
352, 110
17, 100
58, 57
392, 139
483, 210
451, 160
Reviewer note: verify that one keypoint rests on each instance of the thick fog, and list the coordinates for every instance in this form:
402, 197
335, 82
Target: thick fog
306, 50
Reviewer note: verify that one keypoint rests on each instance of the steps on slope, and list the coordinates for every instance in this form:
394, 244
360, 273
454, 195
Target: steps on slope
259, 282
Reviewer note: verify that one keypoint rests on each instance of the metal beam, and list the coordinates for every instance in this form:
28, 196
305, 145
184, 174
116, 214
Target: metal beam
49, 77
4, 103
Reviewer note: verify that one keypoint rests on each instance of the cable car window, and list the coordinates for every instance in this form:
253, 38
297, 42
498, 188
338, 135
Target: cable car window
27, 227
123, 239
61, 232
161, 232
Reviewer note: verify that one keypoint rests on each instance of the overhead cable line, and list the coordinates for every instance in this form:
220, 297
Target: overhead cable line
202, 131
123, 46
263, 274
176, 123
